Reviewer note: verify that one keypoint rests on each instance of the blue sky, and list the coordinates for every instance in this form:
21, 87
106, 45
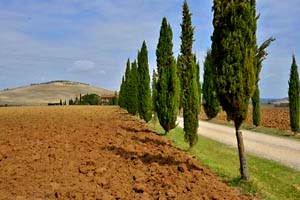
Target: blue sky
90, 41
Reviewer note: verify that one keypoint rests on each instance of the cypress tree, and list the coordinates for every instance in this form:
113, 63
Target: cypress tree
294, 99
127, 78
144, 91
167, 85
233, 53
154, 97
121, 94
211, 103
190, 84
154, 91
255, 99
180, 75
132, 90
198, 79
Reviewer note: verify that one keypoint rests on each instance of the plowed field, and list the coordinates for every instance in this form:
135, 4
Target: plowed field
95, 153
271, 117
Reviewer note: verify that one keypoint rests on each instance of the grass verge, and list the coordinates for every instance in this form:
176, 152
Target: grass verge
268, 179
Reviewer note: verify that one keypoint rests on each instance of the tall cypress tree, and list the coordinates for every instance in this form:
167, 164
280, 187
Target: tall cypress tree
167, 85
180, 75
233, 52
154, 95
211, 103
198, 79
154, 92
190, 83
144, 85
132, 90
127, 78
260, 56
121, 94
294, 98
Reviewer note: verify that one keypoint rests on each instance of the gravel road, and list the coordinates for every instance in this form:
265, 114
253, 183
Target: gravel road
279, 149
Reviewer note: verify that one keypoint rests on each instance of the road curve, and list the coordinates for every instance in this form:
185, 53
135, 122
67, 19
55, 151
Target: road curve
284, 151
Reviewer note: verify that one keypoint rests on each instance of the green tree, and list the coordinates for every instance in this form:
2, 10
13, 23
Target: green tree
154, 95
261, 54
90, 99
132, 90
294, 98
127, 77
211, 103
121, 101
154, 91
76, 102
179, 73
233, 52
167, 85
114, 100
144, 91
189, 75
71, 102
198, 79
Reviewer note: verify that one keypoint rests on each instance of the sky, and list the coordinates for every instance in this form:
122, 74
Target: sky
90, 41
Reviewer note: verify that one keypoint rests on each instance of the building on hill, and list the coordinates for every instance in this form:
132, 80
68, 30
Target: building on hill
107, 98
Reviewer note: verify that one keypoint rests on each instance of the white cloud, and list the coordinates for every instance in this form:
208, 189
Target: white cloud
83, 66
102, 72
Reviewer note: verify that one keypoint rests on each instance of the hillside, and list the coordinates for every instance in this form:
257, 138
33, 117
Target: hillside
50, 92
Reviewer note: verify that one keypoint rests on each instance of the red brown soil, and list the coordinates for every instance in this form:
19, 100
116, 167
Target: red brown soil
95, 153
271, 117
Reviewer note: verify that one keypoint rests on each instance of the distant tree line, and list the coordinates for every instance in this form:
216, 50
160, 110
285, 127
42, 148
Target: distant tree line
88, 99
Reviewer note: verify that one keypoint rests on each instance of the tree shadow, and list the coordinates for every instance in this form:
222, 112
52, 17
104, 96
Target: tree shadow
148, 158
135, 130
150, 140
249, 187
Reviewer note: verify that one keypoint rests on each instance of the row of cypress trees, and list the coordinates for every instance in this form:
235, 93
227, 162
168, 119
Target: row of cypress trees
135, 92
232, 69
175, 84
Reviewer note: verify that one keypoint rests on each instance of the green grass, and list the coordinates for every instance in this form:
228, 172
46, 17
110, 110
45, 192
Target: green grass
268, 179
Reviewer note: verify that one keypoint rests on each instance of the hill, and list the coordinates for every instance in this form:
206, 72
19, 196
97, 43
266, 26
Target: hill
49, 92
273, 101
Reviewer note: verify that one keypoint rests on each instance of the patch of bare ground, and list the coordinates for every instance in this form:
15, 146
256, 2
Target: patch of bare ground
271, 117
95, 153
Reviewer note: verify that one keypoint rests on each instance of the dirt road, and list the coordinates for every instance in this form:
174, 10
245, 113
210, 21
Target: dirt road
279, 149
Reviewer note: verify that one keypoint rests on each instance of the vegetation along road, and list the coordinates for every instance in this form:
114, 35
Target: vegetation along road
279, 149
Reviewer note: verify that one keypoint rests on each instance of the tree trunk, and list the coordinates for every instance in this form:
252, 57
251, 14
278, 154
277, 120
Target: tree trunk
242, 156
